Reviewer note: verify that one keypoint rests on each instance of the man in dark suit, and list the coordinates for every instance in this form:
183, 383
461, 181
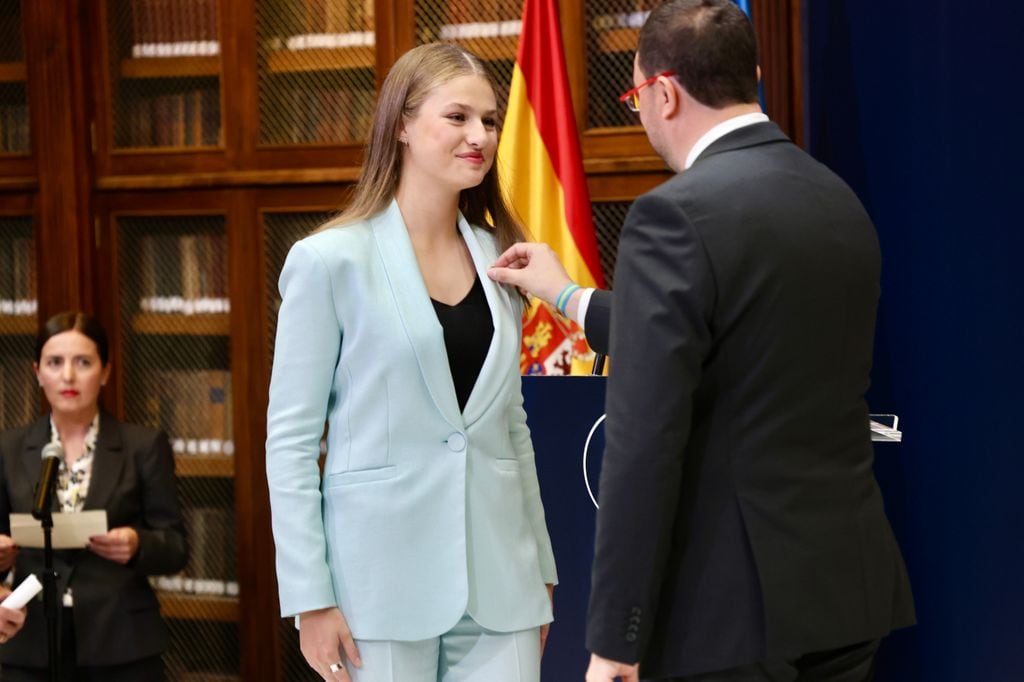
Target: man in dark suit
741, 534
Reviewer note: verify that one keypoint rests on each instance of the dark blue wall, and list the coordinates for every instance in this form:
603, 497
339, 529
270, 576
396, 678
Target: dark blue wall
917, 106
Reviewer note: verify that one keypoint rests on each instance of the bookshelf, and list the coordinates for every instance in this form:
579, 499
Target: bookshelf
14, 118
172, 151
316, 67
174, 350
19, 396
165, 71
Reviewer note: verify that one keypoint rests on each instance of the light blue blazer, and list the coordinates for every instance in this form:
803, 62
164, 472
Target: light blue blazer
424, 513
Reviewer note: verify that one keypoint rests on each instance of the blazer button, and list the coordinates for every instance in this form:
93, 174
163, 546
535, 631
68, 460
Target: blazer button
456, 442
630, 636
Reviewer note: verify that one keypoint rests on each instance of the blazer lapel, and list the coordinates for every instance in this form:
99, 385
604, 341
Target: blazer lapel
107, 462
417, 312
495, 368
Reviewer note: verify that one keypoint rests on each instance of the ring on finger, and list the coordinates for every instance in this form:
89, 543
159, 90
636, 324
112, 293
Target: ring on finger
337, 667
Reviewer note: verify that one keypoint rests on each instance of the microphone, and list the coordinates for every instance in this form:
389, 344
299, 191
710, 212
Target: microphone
53, 453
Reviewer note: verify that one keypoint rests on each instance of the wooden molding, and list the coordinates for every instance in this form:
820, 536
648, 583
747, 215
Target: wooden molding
229, 179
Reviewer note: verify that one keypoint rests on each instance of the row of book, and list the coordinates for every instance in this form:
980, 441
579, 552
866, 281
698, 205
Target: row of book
14, 127
170, 28
179, 305
481, 29
182, 273
325, 41
212, 566
12, 48
203, 446
17, 273
474, 11
190, 118
635, 19
181, 584
191, 405
19, 395
339, 115
19, 307
332, 16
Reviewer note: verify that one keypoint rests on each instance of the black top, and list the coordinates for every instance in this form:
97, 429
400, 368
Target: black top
467, 336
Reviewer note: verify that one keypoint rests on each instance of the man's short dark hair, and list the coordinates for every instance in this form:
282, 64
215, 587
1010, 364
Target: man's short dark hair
710, 44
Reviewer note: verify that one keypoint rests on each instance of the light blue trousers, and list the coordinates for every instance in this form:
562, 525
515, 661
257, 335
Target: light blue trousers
466, 653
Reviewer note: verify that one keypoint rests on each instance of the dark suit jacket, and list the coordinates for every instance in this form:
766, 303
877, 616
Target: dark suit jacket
117, 616
740, 518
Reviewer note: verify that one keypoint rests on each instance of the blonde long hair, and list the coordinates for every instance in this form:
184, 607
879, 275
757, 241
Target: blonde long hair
407, 85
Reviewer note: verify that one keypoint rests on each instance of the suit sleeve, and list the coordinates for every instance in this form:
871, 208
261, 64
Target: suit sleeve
660, 337
519, 433
597, 324
305, 356
5, 500
162, 547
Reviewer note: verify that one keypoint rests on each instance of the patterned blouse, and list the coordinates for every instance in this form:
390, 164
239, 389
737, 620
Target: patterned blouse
73, 483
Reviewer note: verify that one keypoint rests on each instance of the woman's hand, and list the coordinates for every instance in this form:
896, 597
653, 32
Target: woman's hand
8, 552
544, 629
11, 620
323, 635
117, 544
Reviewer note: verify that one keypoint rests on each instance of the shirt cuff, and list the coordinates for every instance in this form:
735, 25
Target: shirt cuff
581, 309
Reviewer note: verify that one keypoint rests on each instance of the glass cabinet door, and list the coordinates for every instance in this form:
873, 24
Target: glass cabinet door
19, 393
165, 73
316, 66
176, 377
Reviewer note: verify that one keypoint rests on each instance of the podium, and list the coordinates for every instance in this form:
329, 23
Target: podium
566, 419
562, 413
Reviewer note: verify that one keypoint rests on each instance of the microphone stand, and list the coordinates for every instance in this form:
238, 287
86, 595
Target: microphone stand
598, 368
45, 517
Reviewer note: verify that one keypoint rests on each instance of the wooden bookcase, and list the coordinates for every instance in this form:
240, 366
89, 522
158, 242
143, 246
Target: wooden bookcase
165, 154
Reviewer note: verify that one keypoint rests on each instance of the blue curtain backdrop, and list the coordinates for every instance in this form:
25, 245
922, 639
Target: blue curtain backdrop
912, 104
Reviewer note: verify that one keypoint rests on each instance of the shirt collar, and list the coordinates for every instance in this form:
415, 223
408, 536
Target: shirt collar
721, 130
90, 436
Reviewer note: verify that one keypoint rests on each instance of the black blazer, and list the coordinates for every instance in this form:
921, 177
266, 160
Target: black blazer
740, 518
117, 616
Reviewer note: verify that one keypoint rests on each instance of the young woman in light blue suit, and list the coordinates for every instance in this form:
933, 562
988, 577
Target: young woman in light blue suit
422, 553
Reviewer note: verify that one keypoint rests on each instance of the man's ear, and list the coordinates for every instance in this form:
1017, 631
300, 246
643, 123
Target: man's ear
670, 100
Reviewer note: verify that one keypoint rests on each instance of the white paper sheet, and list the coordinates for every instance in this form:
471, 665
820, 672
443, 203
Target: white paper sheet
28, 588
70, 531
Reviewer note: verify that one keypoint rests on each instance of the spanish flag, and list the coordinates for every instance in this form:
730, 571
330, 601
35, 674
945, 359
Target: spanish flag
542, 168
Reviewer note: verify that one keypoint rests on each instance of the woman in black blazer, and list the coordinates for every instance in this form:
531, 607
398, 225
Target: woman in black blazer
110, 625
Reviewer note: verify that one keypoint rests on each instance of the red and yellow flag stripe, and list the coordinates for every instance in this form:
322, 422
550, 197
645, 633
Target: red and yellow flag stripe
542, 166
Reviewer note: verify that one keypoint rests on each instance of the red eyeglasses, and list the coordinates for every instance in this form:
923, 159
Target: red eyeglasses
632, 96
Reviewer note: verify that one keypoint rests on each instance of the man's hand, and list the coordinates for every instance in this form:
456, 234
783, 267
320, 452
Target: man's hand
117, 544
603, 670
532, 267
